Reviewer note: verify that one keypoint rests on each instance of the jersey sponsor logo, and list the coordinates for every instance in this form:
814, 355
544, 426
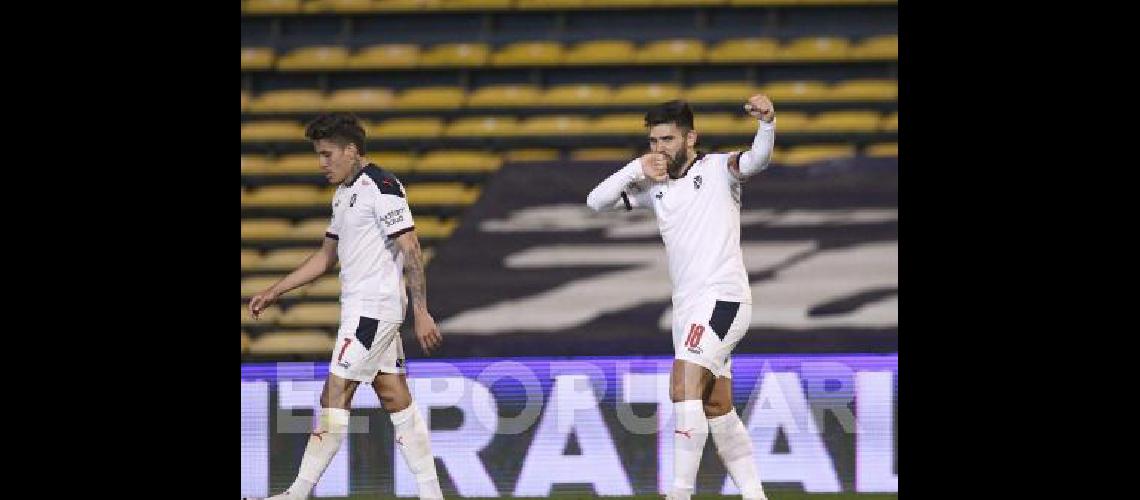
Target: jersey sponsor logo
394, 217
697, 182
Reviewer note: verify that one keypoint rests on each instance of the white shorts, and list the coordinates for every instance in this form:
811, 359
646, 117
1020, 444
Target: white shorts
707, 331
365, 346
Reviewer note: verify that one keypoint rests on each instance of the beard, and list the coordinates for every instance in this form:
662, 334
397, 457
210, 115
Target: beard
677, 163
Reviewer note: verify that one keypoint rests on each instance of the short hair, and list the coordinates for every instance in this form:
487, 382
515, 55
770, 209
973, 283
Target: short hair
675, 111
341, 128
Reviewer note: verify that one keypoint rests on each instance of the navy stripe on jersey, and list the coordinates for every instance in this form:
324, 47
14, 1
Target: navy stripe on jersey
366, 331
333, 236
384, 180
402, 231
724, 313
625, 199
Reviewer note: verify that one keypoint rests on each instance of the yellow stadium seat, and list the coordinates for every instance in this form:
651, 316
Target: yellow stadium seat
288, 100
403, 5
392, 55
532, 154
254, 164
584, 94
563, 125
313, 58
256, 285
456, 54
244, 101
877, 47
272, 131
296, 164
371, 99
244, 343
865, 90
725, 124
269, 316
845, 121
407, 127
430, 98
618, 3
718, 92
347, 6
646, 93
442, 193
292, 342
796, 91
271, 6
689, 2
601, 52
249, 259
882, 150
398, 162
265, 229
765, 2
672, 51
742, 50
803, 155
602, 154
528, 53
482, 126
284, 260
504, 96
890, 122
285, 196
474, 4
328, 286
432, 227
459, 161
306, 314
310, 229
619, 123
792, 121
815, 49
548, 4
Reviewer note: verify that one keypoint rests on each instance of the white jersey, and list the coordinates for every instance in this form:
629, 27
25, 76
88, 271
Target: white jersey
368, 214
699, 219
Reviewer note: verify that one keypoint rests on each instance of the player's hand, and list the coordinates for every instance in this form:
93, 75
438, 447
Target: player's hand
428, 333
759, 106
654, 166
261, 301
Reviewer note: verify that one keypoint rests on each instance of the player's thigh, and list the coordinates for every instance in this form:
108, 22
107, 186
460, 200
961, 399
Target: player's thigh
718, 400
338, 392
688, 380
392, 391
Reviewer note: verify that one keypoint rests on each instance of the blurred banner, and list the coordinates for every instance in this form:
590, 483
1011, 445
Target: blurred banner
533, 271
590, 425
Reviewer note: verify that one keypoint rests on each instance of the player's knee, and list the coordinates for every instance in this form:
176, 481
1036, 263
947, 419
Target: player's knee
716, 408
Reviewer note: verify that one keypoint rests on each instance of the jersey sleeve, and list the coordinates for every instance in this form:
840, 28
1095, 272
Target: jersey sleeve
636, 196
392, 211
333, 231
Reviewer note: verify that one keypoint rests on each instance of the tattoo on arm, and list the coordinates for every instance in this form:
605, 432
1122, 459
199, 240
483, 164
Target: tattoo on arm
414, 274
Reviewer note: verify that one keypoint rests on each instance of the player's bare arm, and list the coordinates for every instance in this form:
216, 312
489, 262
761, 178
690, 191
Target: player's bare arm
426, 330
755, 160
319, 263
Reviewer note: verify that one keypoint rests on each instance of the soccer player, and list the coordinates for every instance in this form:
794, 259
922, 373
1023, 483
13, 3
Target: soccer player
696, 199
373, 236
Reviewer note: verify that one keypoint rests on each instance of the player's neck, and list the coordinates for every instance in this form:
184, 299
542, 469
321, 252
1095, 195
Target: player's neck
688, 164
356, 168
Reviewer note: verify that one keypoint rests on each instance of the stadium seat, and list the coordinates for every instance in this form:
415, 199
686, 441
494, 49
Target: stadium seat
720, 92
272, 131
407, 127
803, 155
458, 161
603, 154
815, 49
441, 193
672, 51
744, 50
276, 101
265, 229
547, 125
845, 121
245, 101
432, 227
285, 259
456, 55
314, 58
244, 342
504, 96
269, 316
286, 196
256, 285
532, 154
482, 126
397, 162
249, 259
392, 55
292, 342
890, 122
254, 164
618, 3
324, 287
646, 93
296, 164
271, 6
430, 98
882, 150
528, 53
403, 5
791, 121
548, 4
865, 90
601, 52
619, 124
876, 47
689, 2
310, 229
357, 100
796, 91
584, 94
473, 4
725, 124
349, 6
311, 314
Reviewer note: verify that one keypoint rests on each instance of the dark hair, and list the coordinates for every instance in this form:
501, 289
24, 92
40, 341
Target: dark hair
676, 111
341, 128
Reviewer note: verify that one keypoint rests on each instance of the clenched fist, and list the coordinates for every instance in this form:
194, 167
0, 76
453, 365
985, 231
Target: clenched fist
759, 106
655, 166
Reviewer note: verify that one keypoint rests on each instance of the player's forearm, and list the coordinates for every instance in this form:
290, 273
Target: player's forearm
606, 194
756, 159
414, 275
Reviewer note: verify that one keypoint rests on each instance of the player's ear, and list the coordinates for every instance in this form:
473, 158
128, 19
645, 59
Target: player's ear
691, 138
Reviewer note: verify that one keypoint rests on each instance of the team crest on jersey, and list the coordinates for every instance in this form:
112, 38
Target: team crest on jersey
352, 201
697, 182
660, 194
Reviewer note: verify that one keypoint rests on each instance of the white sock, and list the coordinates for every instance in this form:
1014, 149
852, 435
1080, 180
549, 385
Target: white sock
323, 444
734, 445
414, 441
689, 436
